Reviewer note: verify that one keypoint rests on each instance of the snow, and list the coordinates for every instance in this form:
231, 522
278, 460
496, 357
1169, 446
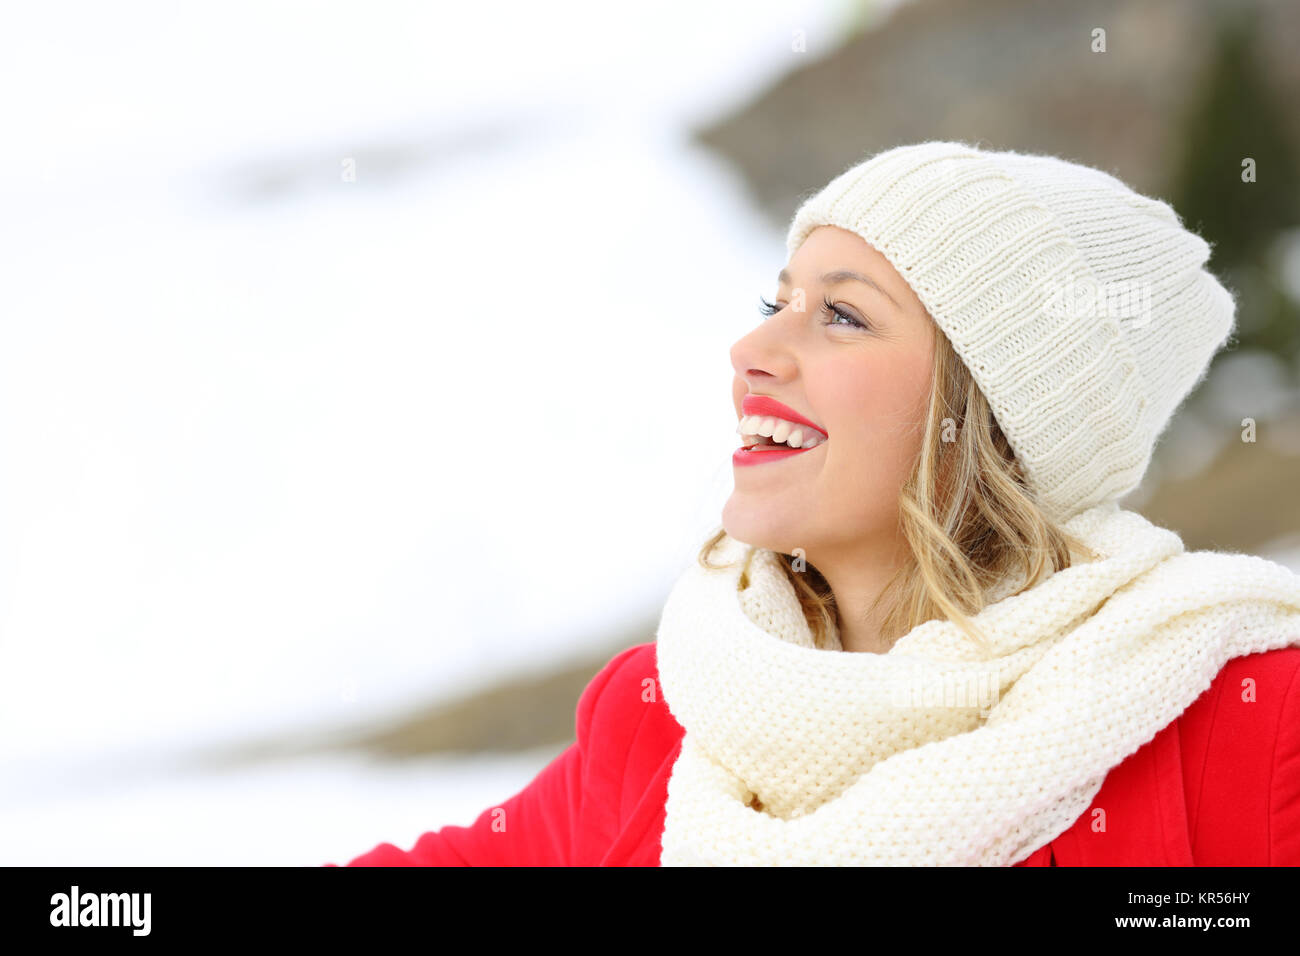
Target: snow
281, 451
304, 812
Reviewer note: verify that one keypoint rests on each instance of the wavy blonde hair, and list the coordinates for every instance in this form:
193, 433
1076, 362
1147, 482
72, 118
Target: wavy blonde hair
966, 513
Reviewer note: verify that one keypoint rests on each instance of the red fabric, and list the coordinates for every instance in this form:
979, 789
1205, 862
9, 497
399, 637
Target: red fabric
1220, 786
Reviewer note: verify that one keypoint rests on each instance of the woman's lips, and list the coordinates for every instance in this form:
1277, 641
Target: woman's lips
766, 406
762, 450
758, 454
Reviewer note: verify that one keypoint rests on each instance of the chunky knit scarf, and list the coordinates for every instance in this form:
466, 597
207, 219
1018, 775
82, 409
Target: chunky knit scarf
937, 753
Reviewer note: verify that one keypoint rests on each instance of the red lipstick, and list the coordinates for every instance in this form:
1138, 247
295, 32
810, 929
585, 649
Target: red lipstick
765, 406
769, 407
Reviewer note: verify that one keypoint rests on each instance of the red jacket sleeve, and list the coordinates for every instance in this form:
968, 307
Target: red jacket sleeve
535, 827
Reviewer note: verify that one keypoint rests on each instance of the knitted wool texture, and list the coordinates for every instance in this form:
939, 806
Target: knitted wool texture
1081, 307
935, 753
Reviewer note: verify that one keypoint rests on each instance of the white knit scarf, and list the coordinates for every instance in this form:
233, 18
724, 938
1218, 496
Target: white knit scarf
936, 753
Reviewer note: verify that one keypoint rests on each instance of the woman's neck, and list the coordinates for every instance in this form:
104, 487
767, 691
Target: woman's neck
857, 580
862, 636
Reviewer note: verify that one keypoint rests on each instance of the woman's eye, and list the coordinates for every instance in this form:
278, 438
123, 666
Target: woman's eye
768, 308
833, 313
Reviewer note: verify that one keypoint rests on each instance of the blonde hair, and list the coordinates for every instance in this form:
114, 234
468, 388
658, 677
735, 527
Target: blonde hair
967, 515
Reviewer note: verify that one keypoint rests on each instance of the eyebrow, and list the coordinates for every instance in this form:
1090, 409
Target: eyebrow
842, 275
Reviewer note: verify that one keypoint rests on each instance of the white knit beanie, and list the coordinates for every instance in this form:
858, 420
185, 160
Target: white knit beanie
1082, 308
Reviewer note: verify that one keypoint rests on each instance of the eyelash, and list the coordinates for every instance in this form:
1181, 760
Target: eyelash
771, 308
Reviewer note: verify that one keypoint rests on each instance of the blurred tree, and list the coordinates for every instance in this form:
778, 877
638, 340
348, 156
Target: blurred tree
1237, 116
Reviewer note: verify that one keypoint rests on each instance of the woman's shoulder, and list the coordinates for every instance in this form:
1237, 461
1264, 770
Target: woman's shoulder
1252, 686
624, 704
1240, 743
1252, 700
628, 736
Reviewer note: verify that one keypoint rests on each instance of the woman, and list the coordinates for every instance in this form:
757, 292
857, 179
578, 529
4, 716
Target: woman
926, 632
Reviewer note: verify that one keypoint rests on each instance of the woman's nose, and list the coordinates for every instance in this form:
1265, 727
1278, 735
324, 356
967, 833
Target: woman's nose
763, 352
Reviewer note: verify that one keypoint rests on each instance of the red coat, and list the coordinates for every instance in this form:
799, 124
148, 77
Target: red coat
1220, 786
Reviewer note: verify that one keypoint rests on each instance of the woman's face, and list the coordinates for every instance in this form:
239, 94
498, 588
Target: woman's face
866, 385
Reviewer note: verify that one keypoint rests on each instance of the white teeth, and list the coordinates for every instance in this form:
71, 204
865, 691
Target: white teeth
779, 431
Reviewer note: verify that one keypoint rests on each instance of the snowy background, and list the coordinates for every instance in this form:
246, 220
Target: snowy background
280, 450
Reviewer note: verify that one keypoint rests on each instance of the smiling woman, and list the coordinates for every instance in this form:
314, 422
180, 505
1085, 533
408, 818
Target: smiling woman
945, 516
869, 382
879, 549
